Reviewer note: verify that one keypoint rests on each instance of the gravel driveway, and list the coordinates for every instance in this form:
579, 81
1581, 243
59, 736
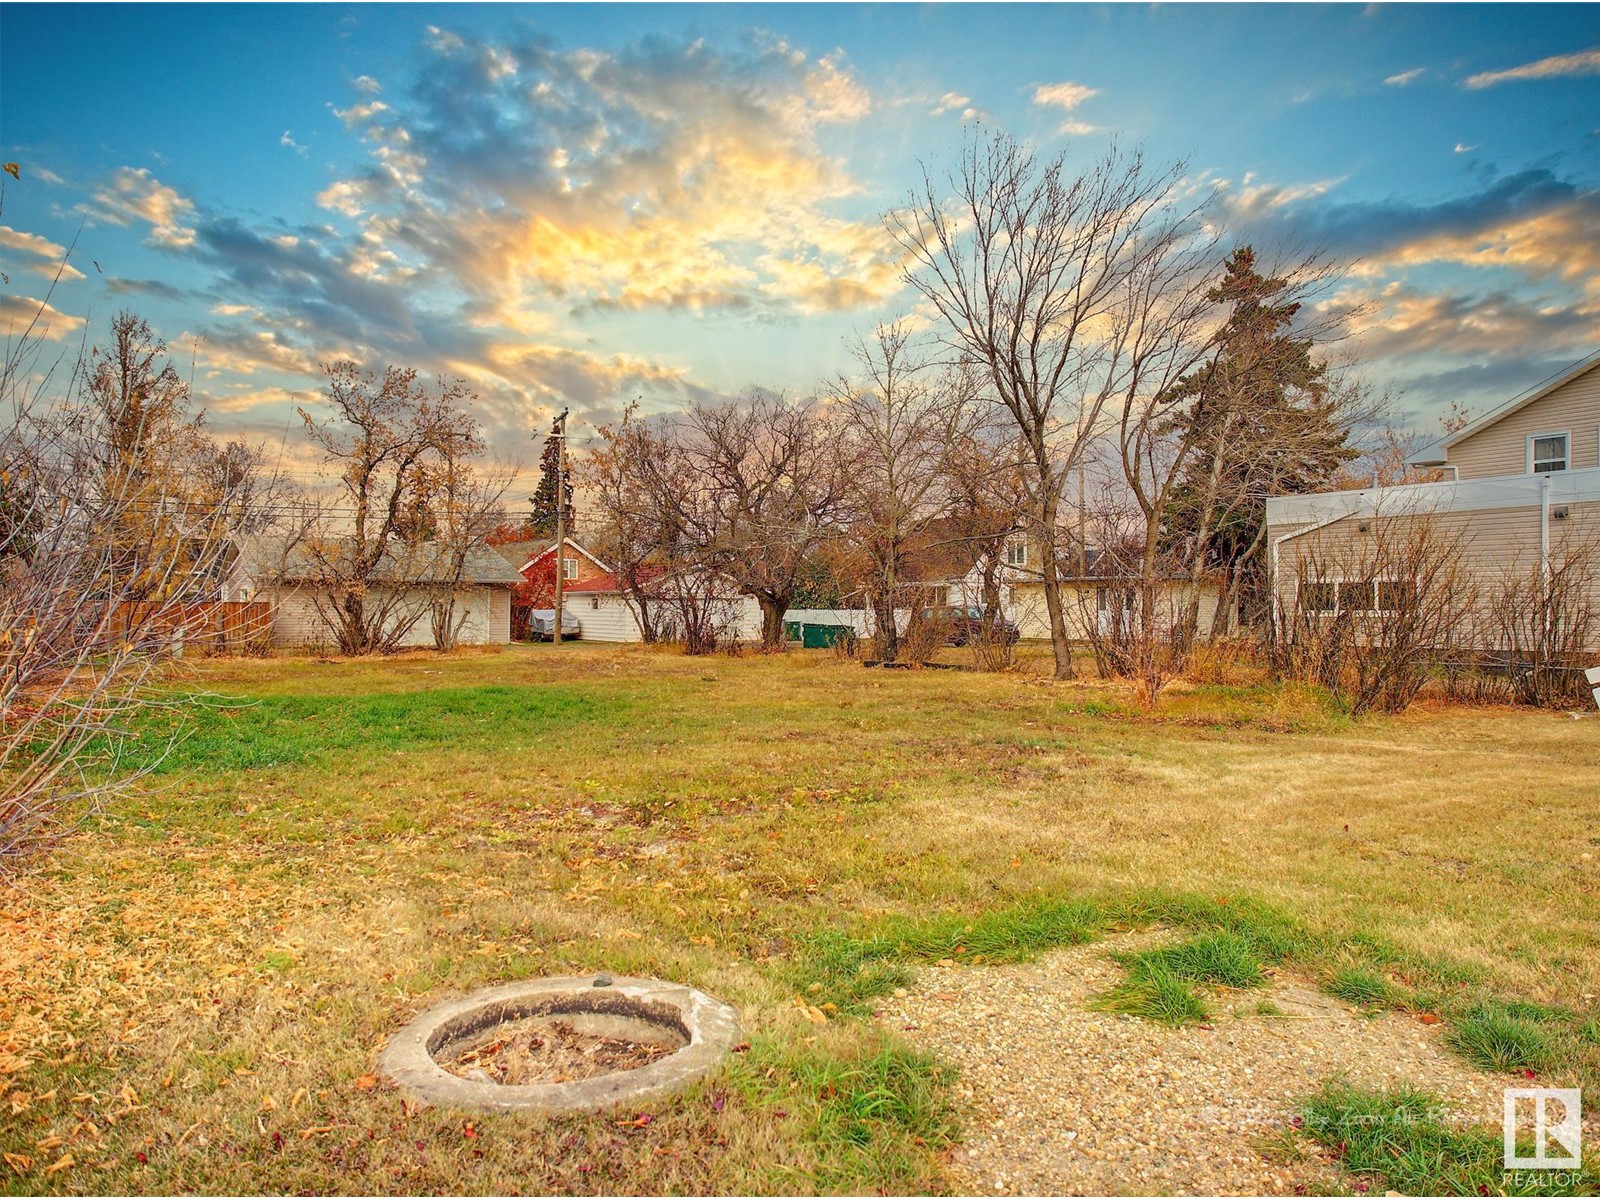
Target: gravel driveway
1062, 1100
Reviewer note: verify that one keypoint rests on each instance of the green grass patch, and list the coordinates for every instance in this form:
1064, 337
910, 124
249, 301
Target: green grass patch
1156, 993
854, 969
868, 1108
1223, 959
1494, 1037
1367, 989
1401, 1140
276, 731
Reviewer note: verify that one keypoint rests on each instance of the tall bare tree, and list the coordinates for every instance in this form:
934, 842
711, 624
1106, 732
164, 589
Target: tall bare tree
768, 488
1049, 281
384, 434
898, 420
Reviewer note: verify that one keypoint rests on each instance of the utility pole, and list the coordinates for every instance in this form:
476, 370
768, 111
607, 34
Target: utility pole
559, 432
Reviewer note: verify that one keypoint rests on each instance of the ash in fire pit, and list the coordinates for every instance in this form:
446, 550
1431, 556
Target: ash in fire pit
541, 1050
555, 1044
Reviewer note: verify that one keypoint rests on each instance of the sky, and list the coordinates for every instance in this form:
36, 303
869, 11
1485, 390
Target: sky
590, 205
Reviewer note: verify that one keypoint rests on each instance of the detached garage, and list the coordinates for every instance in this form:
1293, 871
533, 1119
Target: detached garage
406, 583
608, 614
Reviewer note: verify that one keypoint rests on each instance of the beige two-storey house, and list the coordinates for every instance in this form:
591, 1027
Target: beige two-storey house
1521, 495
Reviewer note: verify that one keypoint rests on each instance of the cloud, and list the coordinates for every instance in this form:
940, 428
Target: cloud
18, 313
30, 243
1463, 148
144, 287
949, 102
1406, 77
1067, 95
1584, 62
367, 84
136, 195
288, 142
1078, 128
650, 177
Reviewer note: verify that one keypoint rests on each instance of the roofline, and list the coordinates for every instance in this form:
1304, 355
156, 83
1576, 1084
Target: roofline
1518, 402
1409, 499
551, 549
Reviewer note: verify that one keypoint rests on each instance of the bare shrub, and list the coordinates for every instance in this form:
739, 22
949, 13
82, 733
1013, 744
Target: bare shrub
1373, 608
1543, 619
114, 533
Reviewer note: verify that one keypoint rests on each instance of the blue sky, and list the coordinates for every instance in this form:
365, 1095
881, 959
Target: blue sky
589, 204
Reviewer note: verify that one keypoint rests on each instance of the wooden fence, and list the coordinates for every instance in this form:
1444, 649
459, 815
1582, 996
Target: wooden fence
209, 625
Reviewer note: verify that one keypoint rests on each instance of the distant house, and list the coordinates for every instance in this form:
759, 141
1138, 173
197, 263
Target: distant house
607, 613
949, 566
535, 561
1098, 604
287, 576
1524, 482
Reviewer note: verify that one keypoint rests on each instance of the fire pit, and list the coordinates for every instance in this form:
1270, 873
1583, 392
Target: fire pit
561, 1044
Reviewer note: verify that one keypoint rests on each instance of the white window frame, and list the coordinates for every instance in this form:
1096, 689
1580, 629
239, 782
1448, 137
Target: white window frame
1338, 581
1020, 557
569, 568
1566, 458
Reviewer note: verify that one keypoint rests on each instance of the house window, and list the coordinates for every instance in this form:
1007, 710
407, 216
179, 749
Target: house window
1357, 595
1319, 596
1017, 554
569, 568
1547, 452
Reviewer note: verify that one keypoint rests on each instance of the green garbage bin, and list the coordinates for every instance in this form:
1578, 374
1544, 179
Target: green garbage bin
791, 631
822, 637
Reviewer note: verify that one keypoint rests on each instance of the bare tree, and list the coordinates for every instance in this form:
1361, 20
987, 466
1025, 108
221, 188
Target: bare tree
1049, 282
385, 433
898, 423
630, 475
465, 505
768, 489
109, 555
1541, 620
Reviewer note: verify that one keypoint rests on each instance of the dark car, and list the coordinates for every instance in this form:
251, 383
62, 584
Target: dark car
963, 623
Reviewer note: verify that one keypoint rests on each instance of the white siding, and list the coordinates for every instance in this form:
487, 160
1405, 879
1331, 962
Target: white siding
296, 620
605, 617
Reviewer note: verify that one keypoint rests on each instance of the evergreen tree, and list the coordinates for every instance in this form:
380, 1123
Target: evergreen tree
1265, 422
542, 522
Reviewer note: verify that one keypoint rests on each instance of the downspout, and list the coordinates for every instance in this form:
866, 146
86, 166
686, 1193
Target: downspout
1544, 529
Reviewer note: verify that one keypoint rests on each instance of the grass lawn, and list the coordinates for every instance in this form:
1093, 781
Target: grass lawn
194, 987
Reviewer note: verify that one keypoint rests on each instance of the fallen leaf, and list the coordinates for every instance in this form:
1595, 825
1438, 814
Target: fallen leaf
18, 1162
1429, 1018
60, 1164
367, 1082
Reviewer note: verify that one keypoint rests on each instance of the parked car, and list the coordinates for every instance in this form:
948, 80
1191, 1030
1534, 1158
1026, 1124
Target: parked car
542, 624
963, 623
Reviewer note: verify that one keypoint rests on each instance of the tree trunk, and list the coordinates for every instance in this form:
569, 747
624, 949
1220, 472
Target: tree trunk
772, 610
1059, 644
888, 632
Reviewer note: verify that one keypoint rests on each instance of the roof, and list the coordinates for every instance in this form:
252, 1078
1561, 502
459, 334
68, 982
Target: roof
519, 554
425, 563
608, 582
1434, 455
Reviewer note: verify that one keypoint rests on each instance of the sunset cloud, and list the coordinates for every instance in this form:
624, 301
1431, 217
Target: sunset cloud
133, 194
18, 313
1584, 62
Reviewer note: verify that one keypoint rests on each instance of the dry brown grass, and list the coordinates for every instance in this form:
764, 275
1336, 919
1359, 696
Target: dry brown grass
195, 988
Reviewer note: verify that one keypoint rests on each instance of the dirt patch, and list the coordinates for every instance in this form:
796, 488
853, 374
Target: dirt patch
1061, 1099
547, 1050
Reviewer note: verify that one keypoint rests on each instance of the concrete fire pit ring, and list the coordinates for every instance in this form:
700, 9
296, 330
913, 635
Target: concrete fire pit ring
707, 1027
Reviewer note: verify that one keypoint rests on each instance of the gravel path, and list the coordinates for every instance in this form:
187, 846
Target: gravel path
1063, 1100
